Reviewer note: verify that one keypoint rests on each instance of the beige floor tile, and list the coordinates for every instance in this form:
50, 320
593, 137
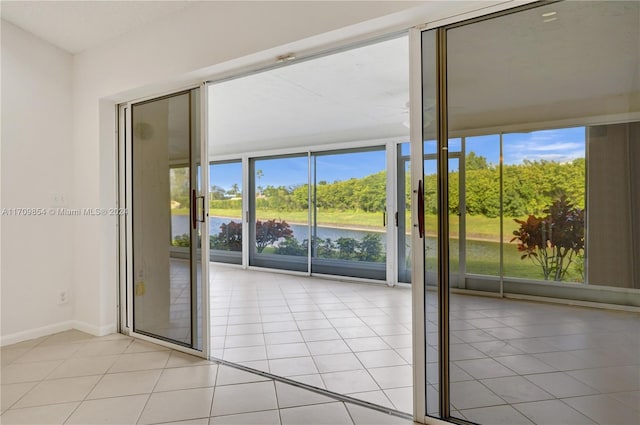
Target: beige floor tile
402, 398
364, 416
138, 346
117, 411
140, 361
282, 351
472, 394
610, 379
525, 364
496, 415
8, 356
269, 417
629, 398
353, 381
375, 397
392, 377
291, 396
125, 383
103, 347
245, 354
293, 366
315, 380
367, 344
244, 398
199, 421
83, 366
561, 385
604, 409
28, 372
48, 353
178, 359
183, 378
381, 358
177, 406
55, 414
246, 340
552, 412
229, 375
58, 391
70, 336
11, 393
337, 362
516, 389
334, 346
484, 368
320, 414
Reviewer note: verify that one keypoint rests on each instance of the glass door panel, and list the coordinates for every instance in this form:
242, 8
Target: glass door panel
349, 220
279, 212
403, 213
166, 227
225, 218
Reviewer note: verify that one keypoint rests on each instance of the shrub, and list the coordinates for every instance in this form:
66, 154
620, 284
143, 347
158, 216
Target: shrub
552, 241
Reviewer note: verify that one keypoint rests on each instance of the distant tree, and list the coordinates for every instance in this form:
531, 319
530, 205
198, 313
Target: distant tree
217, 193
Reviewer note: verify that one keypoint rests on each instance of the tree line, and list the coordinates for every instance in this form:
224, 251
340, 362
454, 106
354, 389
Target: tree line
529, 188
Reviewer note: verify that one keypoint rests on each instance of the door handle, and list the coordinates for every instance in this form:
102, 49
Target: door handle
384, 219
420, 209
396, 216
202, 210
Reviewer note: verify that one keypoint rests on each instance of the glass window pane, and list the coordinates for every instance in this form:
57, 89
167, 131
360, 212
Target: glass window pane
280, 213
225, 212
350, 200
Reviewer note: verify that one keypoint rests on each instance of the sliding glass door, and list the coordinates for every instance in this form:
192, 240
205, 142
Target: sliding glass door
167, 224
529, 197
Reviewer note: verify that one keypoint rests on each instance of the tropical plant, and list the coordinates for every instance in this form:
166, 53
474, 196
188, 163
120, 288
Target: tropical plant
270, 231
553, 241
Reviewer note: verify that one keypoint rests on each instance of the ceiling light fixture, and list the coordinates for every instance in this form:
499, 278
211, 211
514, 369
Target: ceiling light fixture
550, 19
547, 14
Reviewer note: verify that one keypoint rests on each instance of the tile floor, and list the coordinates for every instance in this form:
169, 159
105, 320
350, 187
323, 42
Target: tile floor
74, 378
512, 361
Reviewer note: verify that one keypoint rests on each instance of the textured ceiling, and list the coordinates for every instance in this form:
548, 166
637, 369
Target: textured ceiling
75, 26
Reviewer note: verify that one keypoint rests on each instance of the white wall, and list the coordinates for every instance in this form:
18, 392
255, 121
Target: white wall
37, 252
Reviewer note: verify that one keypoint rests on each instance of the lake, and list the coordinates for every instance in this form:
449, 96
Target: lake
180, 225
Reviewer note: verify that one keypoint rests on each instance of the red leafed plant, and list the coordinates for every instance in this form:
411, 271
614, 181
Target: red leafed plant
552, 241
268, 232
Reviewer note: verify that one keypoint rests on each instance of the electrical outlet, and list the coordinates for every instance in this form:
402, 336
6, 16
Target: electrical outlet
63, 296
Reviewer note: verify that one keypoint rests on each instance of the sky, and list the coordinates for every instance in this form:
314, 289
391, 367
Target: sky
561, 145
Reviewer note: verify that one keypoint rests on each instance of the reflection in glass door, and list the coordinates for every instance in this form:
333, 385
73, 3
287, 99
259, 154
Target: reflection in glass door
167, 219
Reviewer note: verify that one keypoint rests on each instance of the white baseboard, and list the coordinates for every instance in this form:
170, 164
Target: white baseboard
14, 338
35, 333
94, 330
